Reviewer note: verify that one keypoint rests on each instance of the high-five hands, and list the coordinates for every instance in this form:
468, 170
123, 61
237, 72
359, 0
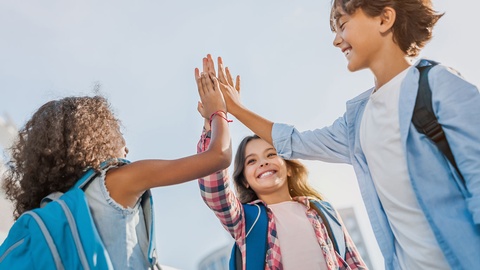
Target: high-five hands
231, 91
211, 98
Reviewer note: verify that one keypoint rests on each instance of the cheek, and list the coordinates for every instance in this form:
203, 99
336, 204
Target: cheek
249, 173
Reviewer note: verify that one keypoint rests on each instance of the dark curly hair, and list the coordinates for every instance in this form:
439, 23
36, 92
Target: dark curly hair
413, 24
297, 182
53, 149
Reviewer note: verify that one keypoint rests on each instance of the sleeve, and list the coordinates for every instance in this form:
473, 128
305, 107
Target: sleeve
456, 103
329, 144
218, 196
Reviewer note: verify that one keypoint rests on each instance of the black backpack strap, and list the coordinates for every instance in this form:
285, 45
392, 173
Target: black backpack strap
424, 118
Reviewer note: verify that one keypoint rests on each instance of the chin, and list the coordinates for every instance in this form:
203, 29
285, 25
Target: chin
352, 67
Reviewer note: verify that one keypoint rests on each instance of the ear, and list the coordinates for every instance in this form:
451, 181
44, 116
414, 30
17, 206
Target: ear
246, 185
387, 19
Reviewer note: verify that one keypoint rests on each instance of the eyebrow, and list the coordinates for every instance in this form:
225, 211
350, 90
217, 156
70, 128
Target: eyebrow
336, 18
266, 150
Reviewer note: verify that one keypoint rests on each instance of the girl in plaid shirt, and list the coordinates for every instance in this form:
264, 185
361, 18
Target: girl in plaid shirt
297, 237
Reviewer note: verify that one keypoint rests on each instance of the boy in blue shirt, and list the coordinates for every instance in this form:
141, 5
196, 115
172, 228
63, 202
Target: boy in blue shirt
422, 215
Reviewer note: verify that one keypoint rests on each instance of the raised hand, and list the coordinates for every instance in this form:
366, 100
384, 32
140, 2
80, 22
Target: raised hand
231, 91
211, 98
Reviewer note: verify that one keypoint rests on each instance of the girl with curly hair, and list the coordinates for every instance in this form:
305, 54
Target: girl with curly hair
67, 136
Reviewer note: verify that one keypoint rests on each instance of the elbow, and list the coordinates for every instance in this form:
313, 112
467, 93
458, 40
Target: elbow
226, 158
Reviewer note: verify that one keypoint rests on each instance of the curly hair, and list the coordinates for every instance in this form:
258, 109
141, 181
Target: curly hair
297, 182
413, 25
53, 149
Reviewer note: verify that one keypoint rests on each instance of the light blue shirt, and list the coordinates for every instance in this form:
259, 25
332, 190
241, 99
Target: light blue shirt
127, 233
452, 210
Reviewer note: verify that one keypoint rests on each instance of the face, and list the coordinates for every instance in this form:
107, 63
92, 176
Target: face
123, 152
265, 171
122, 148
358, 37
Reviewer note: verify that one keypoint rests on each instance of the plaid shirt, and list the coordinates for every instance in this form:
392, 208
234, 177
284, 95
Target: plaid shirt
220, 198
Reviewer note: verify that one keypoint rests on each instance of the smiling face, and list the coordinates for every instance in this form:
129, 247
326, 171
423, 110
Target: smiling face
358, 36
265, 172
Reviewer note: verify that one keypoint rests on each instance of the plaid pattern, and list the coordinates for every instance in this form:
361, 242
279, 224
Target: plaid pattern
220, 198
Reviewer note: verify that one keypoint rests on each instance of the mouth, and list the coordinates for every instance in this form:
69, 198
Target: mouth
266, 174
346, 51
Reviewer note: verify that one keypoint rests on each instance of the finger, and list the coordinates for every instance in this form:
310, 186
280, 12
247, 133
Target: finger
221, 71
200, 108
237, 83
206, 82
229, 76
204, 87
211, 64
215, 83
197, 73
199, 86
205, 64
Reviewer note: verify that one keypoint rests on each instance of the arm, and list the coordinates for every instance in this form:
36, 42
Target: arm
327, 144
219, 197
127, 183
456, 103
256, 123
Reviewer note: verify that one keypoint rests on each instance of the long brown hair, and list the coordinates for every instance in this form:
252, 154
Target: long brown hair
52, 150
297, 181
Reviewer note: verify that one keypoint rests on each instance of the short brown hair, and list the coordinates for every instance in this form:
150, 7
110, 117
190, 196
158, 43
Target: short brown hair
413, 24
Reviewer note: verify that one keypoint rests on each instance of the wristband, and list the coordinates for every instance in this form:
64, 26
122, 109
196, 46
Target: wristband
218, 113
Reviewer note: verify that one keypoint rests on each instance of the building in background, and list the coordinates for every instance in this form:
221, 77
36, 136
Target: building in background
7, 134
218, 259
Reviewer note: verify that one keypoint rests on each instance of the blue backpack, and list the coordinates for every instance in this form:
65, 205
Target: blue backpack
257, 226
62, 233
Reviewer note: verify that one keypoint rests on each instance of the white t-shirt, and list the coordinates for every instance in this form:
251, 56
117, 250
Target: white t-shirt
297, 238
415, 244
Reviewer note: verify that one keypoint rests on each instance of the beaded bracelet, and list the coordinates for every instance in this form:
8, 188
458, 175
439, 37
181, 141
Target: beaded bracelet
218, 113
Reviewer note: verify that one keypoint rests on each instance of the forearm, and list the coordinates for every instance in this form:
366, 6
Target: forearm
256, 123
218, 196
220, 147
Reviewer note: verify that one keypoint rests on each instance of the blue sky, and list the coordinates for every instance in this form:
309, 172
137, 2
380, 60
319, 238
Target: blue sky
143, 54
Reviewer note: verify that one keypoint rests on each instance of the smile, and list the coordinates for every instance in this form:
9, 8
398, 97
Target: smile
265, 174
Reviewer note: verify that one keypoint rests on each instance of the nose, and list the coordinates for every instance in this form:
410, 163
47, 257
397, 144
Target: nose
265, 163
337, 40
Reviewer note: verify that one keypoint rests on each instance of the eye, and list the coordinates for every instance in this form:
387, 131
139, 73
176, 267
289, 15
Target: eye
273, 154
250, 161
342, 25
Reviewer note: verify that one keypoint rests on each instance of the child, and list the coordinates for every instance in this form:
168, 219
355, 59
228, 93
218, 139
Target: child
66, 136
422, 217
297, 235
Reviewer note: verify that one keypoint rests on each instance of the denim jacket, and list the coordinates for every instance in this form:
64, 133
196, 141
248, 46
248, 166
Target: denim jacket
451, 208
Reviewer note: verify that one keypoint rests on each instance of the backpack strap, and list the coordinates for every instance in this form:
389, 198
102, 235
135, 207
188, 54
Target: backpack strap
333, 225
84, 180
424, 118
256, 227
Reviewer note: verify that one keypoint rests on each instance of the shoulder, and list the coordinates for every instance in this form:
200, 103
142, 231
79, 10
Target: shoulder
361, 97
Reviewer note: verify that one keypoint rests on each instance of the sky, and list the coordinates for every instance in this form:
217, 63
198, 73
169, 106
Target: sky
143, 53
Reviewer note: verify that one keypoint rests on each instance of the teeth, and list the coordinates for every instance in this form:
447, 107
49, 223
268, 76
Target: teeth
346, 52
265, 174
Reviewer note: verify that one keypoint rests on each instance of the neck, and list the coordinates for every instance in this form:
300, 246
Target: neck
275, 198
388, 65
